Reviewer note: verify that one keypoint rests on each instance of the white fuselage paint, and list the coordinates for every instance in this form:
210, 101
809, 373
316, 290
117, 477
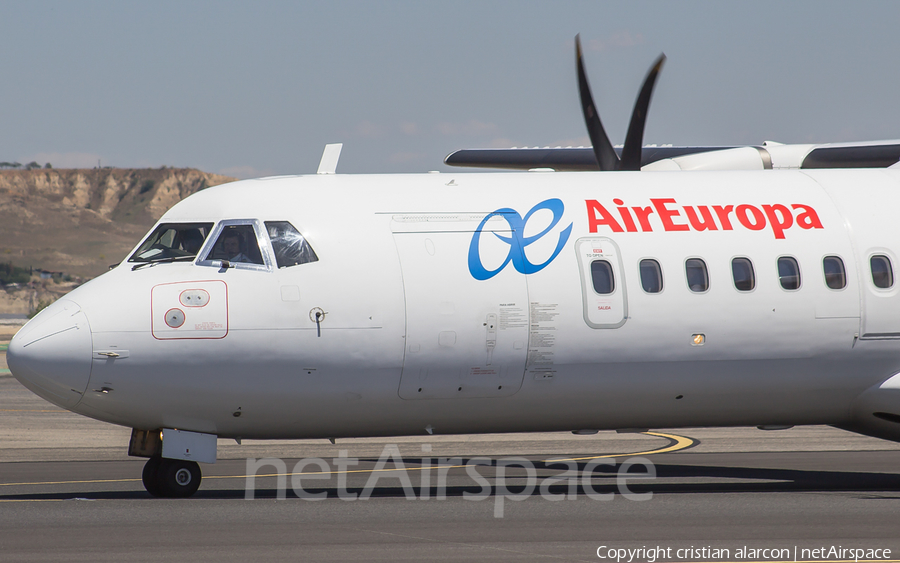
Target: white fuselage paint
411, 339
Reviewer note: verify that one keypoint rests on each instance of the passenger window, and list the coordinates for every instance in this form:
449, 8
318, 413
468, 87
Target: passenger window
237, 244
697, 276
651, 276
835, 276
742, 272
789, 273
289, 245
882, 273
602, 276
172, 242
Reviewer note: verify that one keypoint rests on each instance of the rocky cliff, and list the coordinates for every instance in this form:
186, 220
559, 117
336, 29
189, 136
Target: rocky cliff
81, 221
26, 299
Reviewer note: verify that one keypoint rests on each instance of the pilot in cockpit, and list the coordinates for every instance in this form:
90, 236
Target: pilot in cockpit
232, 242
191, 241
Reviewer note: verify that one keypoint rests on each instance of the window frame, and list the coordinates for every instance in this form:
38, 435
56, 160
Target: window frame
843, 271
890, 272
799, 272
705, 271
752, 274
262, 239
662, 282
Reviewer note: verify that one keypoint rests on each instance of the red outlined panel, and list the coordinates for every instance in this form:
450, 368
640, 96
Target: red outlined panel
189, 310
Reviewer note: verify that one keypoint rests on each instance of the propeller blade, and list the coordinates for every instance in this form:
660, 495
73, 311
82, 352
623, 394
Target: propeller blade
634, 140
607, 158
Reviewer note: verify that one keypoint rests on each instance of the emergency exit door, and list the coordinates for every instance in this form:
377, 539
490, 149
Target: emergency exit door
602, 282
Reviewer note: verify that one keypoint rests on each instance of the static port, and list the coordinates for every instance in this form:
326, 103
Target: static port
174, 318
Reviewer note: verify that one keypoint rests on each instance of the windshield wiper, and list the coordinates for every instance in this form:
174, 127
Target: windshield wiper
162, 261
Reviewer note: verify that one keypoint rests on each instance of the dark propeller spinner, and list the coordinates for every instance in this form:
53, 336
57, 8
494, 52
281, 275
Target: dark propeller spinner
607, 158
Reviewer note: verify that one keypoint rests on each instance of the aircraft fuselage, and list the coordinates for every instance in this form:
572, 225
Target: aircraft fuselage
465, 303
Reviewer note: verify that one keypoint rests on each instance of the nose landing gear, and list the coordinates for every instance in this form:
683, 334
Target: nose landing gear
171, 478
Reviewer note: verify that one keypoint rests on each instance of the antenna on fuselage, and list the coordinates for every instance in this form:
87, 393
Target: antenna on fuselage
330, 157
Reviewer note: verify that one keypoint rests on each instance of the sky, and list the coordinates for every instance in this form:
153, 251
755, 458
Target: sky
258, 88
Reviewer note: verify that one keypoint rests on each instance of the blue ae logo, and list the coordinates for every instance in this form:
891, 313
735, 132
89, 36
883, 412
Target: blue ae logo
517, 240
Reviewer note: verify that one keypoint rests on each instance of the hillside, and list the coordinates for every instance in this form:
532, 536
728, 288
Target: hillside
79, 221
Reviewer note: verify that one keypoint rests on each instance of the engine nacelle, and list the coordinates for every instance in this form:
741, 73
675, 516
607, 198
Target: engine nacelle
741, 158
769, 156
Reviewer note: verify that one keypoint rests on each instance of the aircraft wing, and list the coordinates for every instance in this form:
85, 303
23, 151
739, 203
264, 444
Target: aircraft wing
875, 154
557, 158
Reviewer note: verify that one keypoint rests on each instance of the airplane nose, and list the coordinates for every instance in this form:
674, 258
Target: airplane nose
51, 354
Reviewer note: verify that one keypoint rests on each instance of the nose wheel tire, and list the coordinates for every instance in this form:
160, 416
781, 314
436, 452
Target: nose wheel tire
171, 478
149, 476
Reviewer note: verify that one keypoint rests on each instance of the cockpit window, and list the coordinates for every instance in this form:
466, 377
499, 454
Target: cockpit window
289, 245
237, 244
172, 242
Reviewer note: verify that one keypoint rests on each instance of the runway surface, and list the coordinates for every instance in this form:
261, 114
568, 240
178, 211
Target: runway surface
69, 492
